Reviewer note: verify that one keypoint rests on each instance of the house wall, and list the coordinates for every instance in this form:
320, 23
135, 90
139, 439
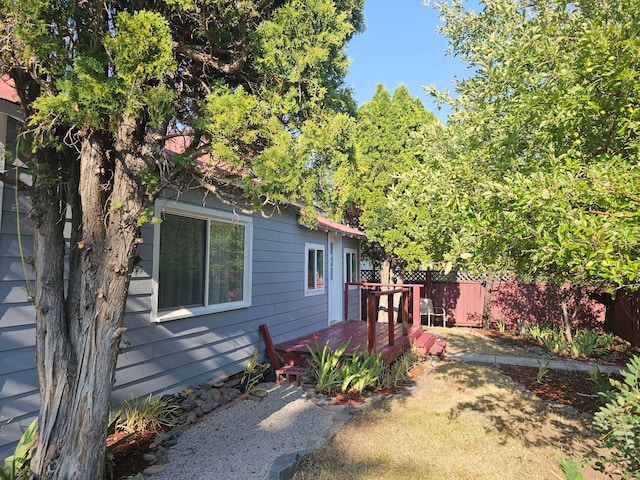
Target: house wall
166, 356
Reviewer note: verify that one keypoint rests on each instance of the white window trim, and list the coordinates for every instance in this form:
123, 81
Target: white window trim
314, 291
3, 140
347, 252
8, 110
193, 211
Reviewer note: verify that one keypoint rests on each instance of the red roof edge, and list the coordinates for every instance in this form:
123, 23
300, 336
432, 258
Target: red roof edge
339, 228
8, 89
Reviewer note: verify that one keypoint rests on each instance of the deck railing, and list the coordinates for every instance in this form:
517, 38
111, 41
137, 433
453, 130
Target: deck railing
374, 291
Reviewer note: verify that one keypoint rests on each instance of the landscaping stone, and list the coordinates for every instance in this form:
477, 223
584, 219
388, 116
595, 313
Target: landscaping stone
194, 403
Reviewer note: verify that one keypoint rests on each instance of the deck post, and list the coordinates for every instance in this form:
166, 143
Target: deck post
346, 302
405, 313
371, 321
416, 320
390, 304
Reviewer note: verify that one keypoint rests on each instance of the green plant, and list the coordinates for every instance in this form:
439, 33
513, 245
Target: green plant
502, 325
325, 366
600, 383
362, 371
18, 465
151, 413
570, 469
543, 369
584, 343
396, 373
110, 449
607, 340
619, 423
253, 374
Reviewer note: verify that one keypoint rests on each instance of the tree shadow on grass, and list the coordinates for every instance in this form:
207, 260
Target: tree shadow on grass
515, 413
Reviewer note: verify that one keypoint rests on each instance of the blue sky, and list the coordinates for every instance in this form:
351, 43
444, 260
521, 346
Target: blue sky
400, 45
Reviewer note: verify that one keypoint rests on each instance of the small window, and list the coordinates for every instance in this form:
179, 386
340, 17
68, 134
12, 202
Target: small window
351, 266
201, 262
314, 266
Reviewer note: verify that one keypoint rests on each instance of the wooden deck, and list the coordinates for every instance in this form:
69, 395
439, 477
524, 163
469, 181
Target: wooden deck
296, 352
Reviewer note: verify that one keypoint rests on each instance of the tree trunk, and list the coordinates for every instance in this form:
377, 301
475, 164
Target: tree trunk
566, 318
486, 305
78, 336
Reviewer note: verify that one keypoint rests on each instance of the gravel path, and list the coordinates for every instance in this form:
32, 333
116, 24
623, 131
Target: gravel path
252, 439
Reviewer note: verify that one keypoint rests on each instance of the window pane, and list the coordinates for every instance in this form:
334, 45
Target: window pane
311, 269
226, 262
182, 262
319, 269
10, 143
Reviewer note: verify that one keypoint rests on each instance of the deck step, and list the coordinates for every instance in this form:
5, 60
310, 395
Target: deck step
425, 342
438, 348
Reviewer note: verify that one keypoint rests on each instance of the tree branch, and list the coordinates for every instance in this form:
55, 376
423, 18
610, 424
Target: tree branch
195, 54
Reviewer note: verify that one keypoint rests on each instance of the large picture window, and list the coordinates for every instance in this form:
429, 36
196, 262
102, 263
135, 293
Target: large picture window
202, 262
314, 268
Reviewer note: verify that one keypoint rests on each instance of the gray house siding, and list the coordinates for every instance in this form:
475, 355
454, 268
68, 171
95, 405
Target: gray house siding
159, 357
18, 376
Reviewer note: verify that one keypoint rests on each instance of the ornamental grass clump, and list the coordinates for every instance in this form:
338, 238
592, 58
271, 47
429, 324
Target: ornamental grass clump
151, 413
333, 370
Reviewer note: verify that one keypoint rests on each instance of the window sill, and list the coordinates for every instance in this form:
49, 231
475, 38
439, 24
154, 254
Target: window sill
181, 313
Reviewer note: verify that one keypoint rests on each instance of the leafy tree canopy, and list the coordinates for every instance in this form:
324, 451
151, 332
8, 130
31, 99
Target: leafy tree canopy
540, 157
387, 145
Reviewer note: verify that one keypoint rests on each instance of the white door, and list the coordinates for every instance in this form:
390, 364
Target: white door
336, 282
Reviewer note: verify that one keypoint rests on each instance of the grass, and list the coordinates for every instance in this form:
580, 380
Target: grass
469, 340
460, 421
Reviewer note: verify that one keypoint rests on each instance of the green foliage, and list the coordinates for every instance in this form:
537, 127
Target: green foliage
543, 369
360, 371
385, 146
253, 374
583, 345
106, 91
601, 385
536, 170
398, 372
112, 428
619, 423
150, 413
333, 370
326, 366
570, 470
18, 465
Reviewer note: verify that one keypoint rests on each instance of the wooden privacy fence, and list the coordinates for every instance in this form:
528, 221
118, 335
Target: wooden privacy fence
625, 320
513, 303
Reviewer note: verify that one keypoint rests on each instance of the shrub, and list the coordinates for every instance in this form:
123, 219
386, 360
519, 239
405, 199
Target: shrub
619, 423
